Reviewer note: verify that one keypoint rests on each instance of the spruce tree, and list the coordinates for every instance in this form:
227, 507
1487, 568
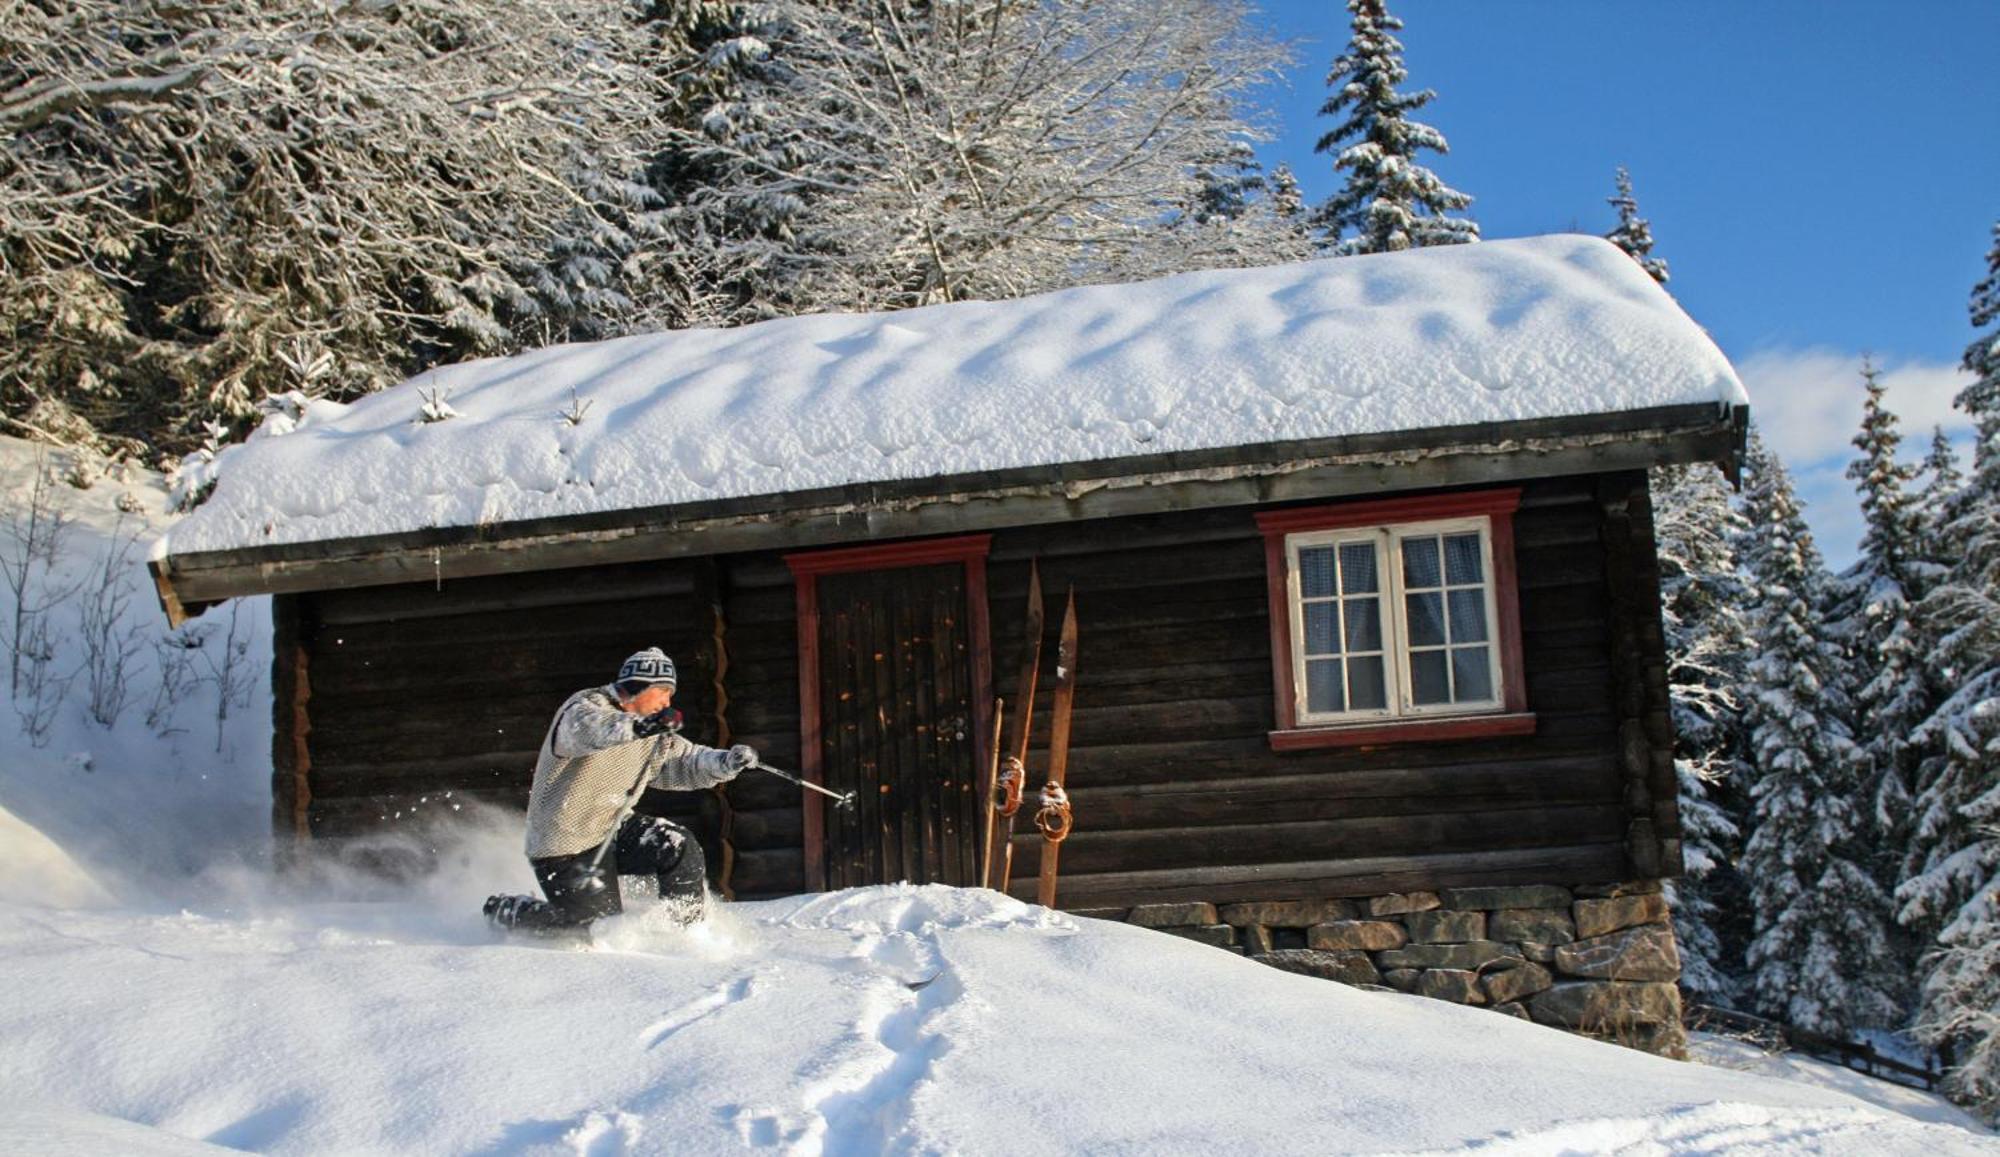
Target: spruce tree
1707, 646
1389, 202
1871, 617
1634, 233
1286, 199
1954, 885
1821, 957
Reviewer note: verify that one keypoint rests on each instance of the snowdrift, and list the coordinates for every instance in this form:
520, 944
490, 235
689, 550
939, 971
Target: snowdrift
33, 870
879, 1020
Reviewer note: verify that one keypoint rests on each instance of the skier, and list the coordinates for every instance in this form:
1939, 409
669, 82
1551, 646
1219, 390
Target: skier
606, 750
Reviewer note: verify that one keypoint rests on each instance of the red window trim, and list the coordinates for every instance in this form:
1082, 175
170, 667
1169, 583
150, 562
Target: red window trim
1498, 506
806, 567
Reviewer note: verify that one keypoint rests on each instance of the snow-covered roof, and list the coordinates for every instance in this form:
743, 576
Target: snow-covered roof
1501, 331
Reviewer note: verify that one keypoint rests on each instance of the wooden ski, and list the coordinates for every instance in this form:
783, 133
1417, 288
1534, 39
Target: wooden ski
1054, 817
1005, 800
991, 797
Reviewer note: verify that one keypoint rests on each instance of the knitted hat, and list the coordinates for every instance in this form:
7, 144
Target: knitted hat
648, 666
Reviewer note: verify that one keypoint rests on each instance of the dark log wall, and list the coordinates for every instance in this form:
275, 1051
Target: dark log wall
427, 701
392, 696
1178, 795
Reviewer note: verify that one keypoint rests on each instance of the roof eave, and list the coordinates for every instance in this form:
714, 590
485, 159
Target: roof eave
1186, 480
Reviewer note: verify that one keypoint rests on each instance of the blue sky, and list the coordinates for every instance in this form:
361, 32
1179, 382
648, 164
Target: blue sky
1822, 175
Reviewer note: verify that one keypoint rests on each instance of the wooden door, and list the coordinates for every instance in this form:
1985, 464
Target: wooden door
894, 680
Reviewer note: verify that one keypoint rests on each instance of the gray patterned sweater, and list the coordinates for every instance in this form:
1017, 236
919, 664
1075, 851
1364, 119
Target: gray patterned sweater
590, 766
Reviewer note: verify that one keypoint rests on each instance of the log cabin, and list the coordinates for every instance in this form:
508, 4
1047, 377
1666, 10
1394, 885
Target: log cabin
1371, 680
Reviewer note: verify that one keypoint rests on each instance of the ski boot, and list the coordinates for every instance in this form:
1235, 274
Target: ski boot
532, 917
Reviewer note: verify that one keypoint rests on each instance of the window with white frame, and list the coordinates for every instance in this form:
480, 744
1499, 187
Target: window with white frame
1393, 621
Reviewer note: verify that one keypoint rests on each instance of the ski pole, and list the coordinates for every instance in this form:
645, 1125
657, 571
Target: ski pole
845, 800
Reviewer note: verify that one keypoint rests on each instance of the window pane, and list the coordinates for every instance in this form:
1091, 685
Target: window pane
1316, 572
1468, 616
1322, 630
1364, 678
1323, 686
1420, 562
1426, 612
1357, 568
1472, 679
1364, 624
1462, 561
1428, 679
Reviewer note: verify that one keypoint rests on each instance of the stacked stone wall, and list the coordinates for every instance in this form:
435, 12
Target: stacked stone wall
1599, 960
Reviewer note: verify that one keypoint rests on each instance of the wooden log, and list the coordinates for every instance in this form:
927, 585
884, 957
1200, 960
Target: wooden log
1115, 567
757, 791
1555, 566
529, 590
768, 873
1577, 780
679, 615
1192, 719
1563, 606
1170, 682
767, 607
1093, 850
1013, 547
1371, 876
1577, 690
1250, 757
767, 829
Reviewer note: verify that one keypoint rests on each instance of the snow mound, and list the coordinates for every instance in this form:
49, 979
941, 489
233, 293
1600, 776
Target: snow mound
34, 871
894, 1019
54, 1133
1500, 331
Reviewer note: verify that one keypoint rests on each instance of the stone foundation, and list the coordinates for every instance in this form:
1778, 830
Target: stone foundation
1596, 960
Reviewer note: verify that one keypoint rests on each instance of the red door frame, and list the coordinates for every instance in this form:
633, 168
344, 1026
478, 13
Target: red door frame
806, 568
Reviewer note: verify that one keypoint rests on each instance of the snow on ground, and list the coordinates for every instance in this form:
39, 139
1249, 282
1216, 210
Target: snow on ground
1746, 1056
1499, 331
892, 1019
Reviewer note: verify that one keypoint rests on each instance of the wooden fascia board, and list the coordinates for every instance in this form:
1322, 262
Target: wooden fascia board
960, 504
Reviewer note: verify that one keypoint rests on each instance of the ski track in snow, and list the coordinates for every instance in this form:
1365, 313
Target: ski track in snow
858, 1102
734, 991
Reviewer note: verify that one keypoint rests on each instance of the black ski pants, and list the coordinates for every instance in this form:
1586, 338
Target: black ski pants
580, 891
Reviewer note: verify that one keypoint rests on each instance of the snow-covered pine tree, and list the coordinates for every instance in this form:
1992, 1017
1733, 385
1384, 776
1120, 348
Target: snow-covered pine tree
189, 187
1286, 199
1955, 884
906, 153
1634, 233
1390, 201
1934, 825
1702, 597
729, 240
1227, 184
1943, 479
1871, 617
1821, 957
1707, 646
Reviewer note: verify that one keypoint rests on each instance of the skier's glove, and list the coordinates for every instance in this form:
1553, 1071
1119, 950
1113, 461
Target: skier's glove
740, 758
665, 721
